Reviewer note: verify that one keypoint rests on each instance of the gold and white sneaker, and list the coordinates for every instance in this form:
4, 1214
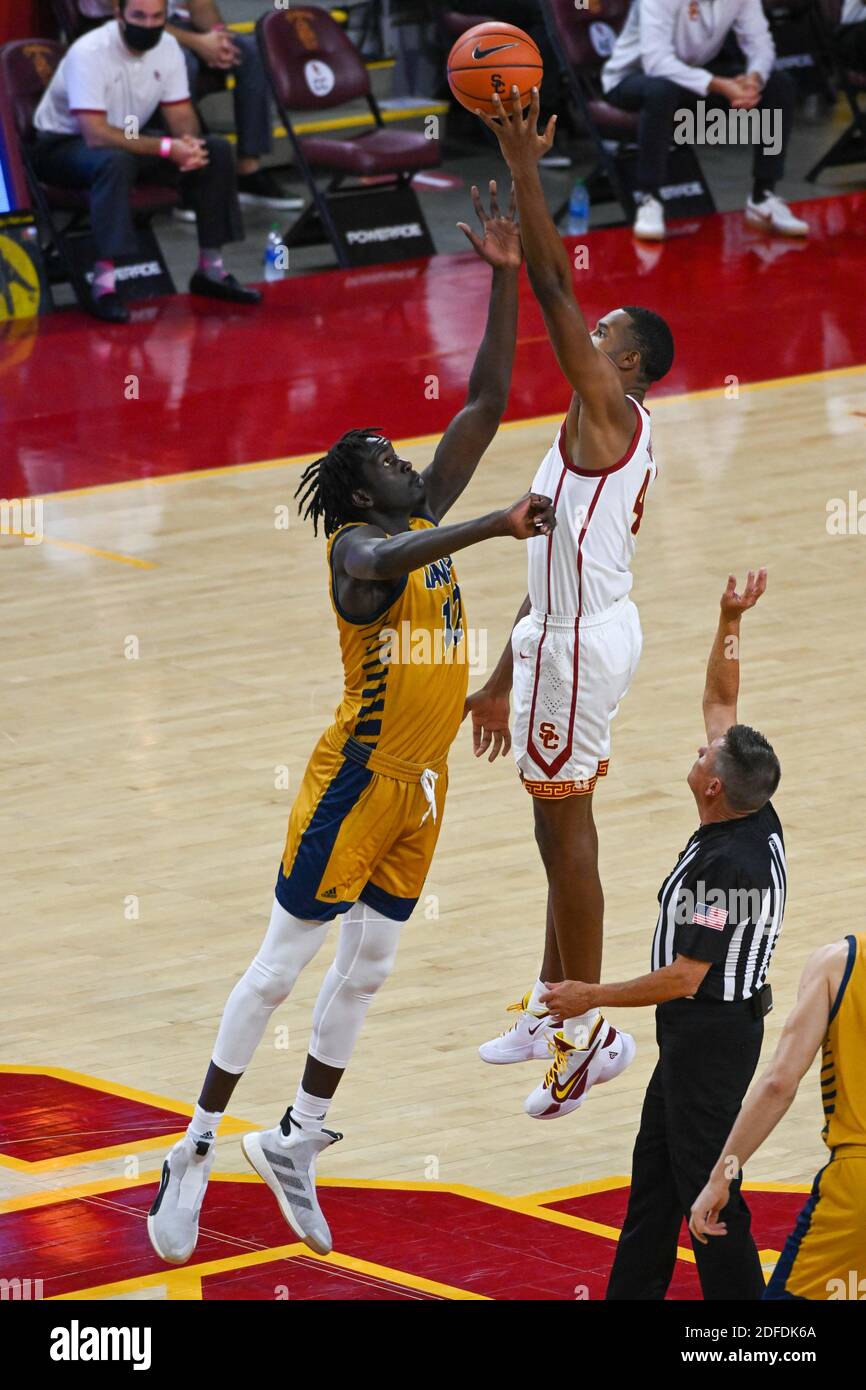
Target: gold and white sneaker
527, 1039
574, 1070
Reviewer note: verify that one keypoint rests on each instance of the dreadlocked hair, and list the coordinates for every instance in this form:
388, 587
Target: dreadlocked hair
326, 486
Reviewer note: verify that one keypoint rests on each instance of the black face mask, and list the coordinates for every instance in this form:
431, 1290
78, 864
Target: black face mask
140, 38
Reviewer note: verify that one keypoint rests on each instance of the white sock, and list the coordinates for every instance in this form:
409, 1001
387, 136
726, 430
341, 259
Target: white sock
204, 1124
578, 1030
310, 1111
534, 1005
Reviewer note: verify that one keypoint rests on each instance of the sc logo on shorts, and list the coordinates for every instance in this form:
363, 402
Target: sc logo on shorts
548, 735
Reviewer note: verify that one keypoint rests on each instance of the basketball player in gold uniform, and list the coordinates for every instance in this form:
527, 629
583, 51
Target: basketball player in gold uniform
825, 1255
365, 822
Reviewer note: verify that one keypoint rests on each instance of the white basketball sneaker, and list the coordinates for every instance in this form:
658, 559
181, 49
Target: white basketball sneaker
649, 222
172, 1223
287, 1163
772, 214
575, 1069
528, 1037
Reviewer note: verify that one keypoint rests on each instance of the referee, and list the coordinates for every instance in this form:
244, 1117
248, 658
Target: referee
720, 913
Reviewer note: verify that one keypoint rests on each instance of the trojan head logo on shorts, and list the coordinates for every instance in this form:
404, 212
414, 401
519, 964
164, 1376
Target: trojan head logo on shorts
548, 735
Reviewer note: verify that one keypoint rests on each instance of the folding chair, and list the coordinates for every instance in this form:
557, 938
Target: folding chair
850, 147
313, 66
583, 40
26, 68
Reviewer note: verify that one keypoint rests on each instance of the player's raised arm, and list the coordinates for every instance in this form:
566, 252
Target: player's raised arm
770, 1098
722, 683
472, 429
589, 372
367, 553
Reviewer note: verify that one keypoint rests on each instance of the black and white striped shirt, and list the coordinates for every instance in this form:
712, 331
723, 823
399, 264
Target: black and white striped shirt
724, 903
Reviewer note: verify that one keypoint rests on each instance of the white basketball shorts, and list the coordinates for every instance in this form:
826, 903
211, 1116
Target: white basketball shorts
567, 688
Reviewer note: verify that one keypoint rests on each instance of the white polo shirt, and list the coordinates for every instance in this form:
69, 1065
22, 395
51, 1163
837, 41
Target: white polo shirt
673, 38
99, 73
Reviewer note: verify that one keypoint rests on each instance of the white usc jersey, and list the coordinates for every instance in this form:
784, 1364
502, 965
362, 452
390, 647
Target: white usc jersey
584, 567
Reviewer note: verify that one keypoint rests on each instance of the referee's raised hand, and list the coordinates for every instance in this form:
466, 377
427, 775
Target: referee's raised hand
733, 604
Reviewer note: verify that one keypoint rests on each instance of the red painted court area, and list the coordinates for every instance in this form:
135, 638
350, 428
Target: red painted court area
392, 346
385, 1237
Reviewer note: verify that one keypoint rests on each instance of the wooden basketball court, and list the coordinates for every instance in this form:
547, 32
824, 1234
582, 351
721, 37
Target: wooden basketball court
171, 659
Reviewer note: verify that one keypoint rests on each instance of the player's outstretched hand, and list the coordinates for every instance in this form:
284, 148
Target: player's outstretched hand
499, 244
734, 605
490, 710
706, 1208
531, 516
521, 142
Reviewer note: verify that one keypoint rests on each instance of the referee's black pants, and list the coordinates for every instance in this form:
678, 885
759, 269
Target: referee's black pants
707, 1057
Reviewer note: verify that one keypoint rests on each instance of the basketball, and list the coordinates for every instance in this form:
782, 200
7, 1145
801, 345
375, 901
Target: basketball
491, 59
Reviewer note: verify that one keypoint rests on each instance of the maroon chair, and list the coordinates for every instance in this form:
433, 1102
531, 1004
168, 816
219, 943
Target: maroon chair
26, 68
583, 40
313, 66
850, 147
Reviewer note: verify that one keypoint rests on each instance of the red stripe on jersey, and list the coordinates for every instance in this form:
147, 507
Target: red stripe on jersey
603, 472
564, 754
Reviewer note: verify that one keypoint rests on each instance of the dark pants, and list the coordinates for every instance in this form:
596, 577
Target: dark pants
109, 175
707, 1057
658, 99
252, 109
850, 46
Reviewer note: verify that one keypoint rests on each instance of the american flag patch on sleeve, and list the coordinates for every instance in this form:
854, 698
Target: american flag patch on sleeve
714, 917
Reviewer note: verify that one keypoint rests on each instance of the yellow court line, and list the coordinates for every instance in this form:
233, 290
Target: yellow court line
296, 460
86, 550
111, 1088
77, 1192
580, 1189
181, 1284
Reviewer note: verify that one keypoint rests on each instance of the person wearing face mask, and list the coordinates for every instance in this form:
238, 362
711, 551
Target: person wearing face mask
92, 133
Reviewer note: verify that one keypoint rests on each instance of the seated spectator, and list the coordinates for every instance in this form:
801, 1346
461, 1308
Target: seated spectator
850, 38
92, 133
199, 29
657, 68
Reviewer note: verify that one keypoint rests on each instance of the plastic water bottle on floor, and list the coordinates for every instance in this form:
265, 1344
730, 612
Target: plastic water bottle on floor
577, 221
275, 256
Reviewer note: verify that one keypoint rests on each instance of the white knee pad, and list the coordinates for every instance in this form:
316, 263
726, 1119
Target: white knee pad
289, 945
365, 958
367, 950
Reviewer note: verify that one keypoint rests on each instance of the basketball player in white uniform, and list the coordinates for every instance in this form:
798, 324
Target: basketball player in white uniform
576, 644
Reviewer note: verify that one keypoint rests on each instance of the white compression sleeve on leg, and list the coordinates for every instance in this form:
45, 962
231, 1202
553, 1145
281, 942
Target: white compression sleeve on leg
289, 945
365, 958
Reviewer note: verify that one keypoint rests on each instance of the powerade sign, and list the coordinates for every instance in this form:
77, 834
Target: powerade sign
386, 225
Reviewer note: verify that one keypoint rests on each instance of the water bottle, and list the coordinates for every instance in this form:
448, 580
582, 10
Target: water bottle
577, 222
275, 256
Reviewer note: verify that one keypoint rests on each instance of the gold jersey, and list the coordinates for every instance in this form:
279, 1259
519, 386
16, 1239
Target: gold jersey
406, 669
843, 1062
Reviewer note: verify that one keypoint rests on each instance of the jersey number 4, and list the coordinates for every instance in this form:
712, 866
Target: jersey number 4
639, 504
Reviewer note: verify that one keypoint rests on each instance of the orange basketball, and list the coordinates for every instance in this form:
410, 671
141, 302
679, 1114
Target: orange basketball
491, 59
